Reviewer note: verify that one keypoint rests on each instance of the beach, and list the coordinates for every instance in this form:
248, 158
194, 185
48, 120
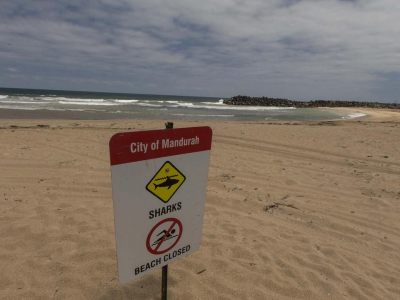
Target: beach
294, 210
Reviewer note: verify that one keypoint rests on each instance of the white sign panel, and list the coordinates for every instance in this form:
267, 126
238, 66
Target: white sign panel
159, 181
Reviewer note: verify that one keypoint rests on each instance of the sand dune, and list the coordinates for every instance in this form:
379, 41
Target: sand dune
294, 211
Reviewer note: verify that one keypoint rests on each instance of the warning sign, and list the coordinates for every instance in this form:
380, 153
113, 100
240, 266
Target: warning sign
164, 236
166, 182
159, 183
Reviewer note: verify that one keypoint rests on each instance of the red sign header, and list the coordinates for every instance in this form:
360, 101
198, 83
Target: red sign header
127, 147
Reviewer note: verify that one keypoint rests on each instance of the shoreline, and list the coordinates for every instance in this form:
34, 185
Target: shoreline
41, 114
375, 114
371, 116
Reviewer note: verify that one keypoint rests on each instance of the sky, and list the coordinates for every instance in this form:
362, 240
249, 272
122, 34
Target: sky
296, 49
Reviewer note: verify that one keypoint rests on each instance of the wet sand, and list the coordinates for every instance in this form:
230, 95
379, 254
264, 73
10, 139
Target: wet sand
294, 210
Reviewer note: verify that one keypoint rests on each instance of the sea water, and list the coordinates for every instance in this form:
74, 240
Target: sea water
95, 105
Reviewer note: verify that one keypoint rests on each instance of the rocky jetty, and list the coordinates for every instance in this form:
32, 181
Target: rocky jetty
279, 102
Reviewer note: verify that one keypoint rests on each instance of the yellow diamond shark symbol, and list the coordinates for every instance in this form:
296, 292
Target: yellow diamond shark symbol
166, 182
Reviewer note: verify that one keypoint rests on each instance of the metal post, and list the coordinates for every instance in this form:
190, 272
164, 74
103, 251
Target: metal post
164, 283
169, 125
164, 279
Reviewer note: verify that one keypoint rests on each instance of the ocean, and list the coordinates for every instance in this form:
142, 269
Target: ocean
105, 106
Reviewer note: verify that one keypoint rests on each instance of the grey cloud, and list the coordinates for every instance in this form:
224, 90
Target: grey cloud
298, 49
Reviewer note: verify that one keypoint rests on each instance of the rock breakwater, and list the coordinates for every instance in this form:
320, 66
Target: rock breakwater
280, 102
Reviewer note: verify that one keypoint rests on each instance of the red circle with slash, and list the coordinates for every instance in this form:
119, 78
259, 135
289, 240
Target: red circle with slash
163, 238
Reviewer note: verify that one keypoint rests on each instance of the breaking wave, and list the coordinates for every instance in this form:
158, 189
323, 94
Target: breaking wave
87, 103
196, 115
126, 101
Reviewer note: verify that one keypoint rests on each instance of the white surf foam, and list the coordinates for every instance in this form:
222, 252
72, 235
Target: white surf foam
186, 104
48, 108
191, 115
220, 102
123, 112
83, 100
23, 102
160, 101
19, 107
356, 115
79, 109
17, 99
88, 103
211, 103
3, 96
239, 107
148, 104
253, 108
126, 101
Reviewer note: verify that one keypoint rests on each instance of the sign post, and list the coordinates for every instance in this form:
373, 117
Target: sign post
164, 273
159, 181
164, 284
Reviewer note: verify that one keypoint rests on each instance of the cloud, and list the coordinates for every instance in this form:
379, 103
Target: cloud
304, 49
12, 70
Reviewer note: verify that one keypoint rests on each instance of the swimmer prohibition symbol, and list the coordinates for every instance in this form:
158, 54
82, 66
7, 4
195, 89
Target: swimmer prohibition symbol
164, 236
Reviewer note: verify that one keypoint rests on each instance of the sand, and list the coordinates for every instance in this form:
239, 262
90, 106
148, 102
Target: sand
296, 210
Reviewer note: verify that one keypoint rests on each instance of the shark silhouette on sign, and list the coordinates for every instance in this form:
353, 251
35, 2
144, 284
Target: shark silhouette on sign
167, 183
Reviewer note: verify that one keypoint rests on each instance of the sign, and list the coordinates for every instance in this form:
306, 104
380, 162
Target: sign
169, 230
159, 181
166, 182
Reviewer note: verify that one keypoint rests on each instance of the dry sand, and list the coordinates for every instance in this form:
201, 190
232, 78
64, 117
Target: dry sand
294, 211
